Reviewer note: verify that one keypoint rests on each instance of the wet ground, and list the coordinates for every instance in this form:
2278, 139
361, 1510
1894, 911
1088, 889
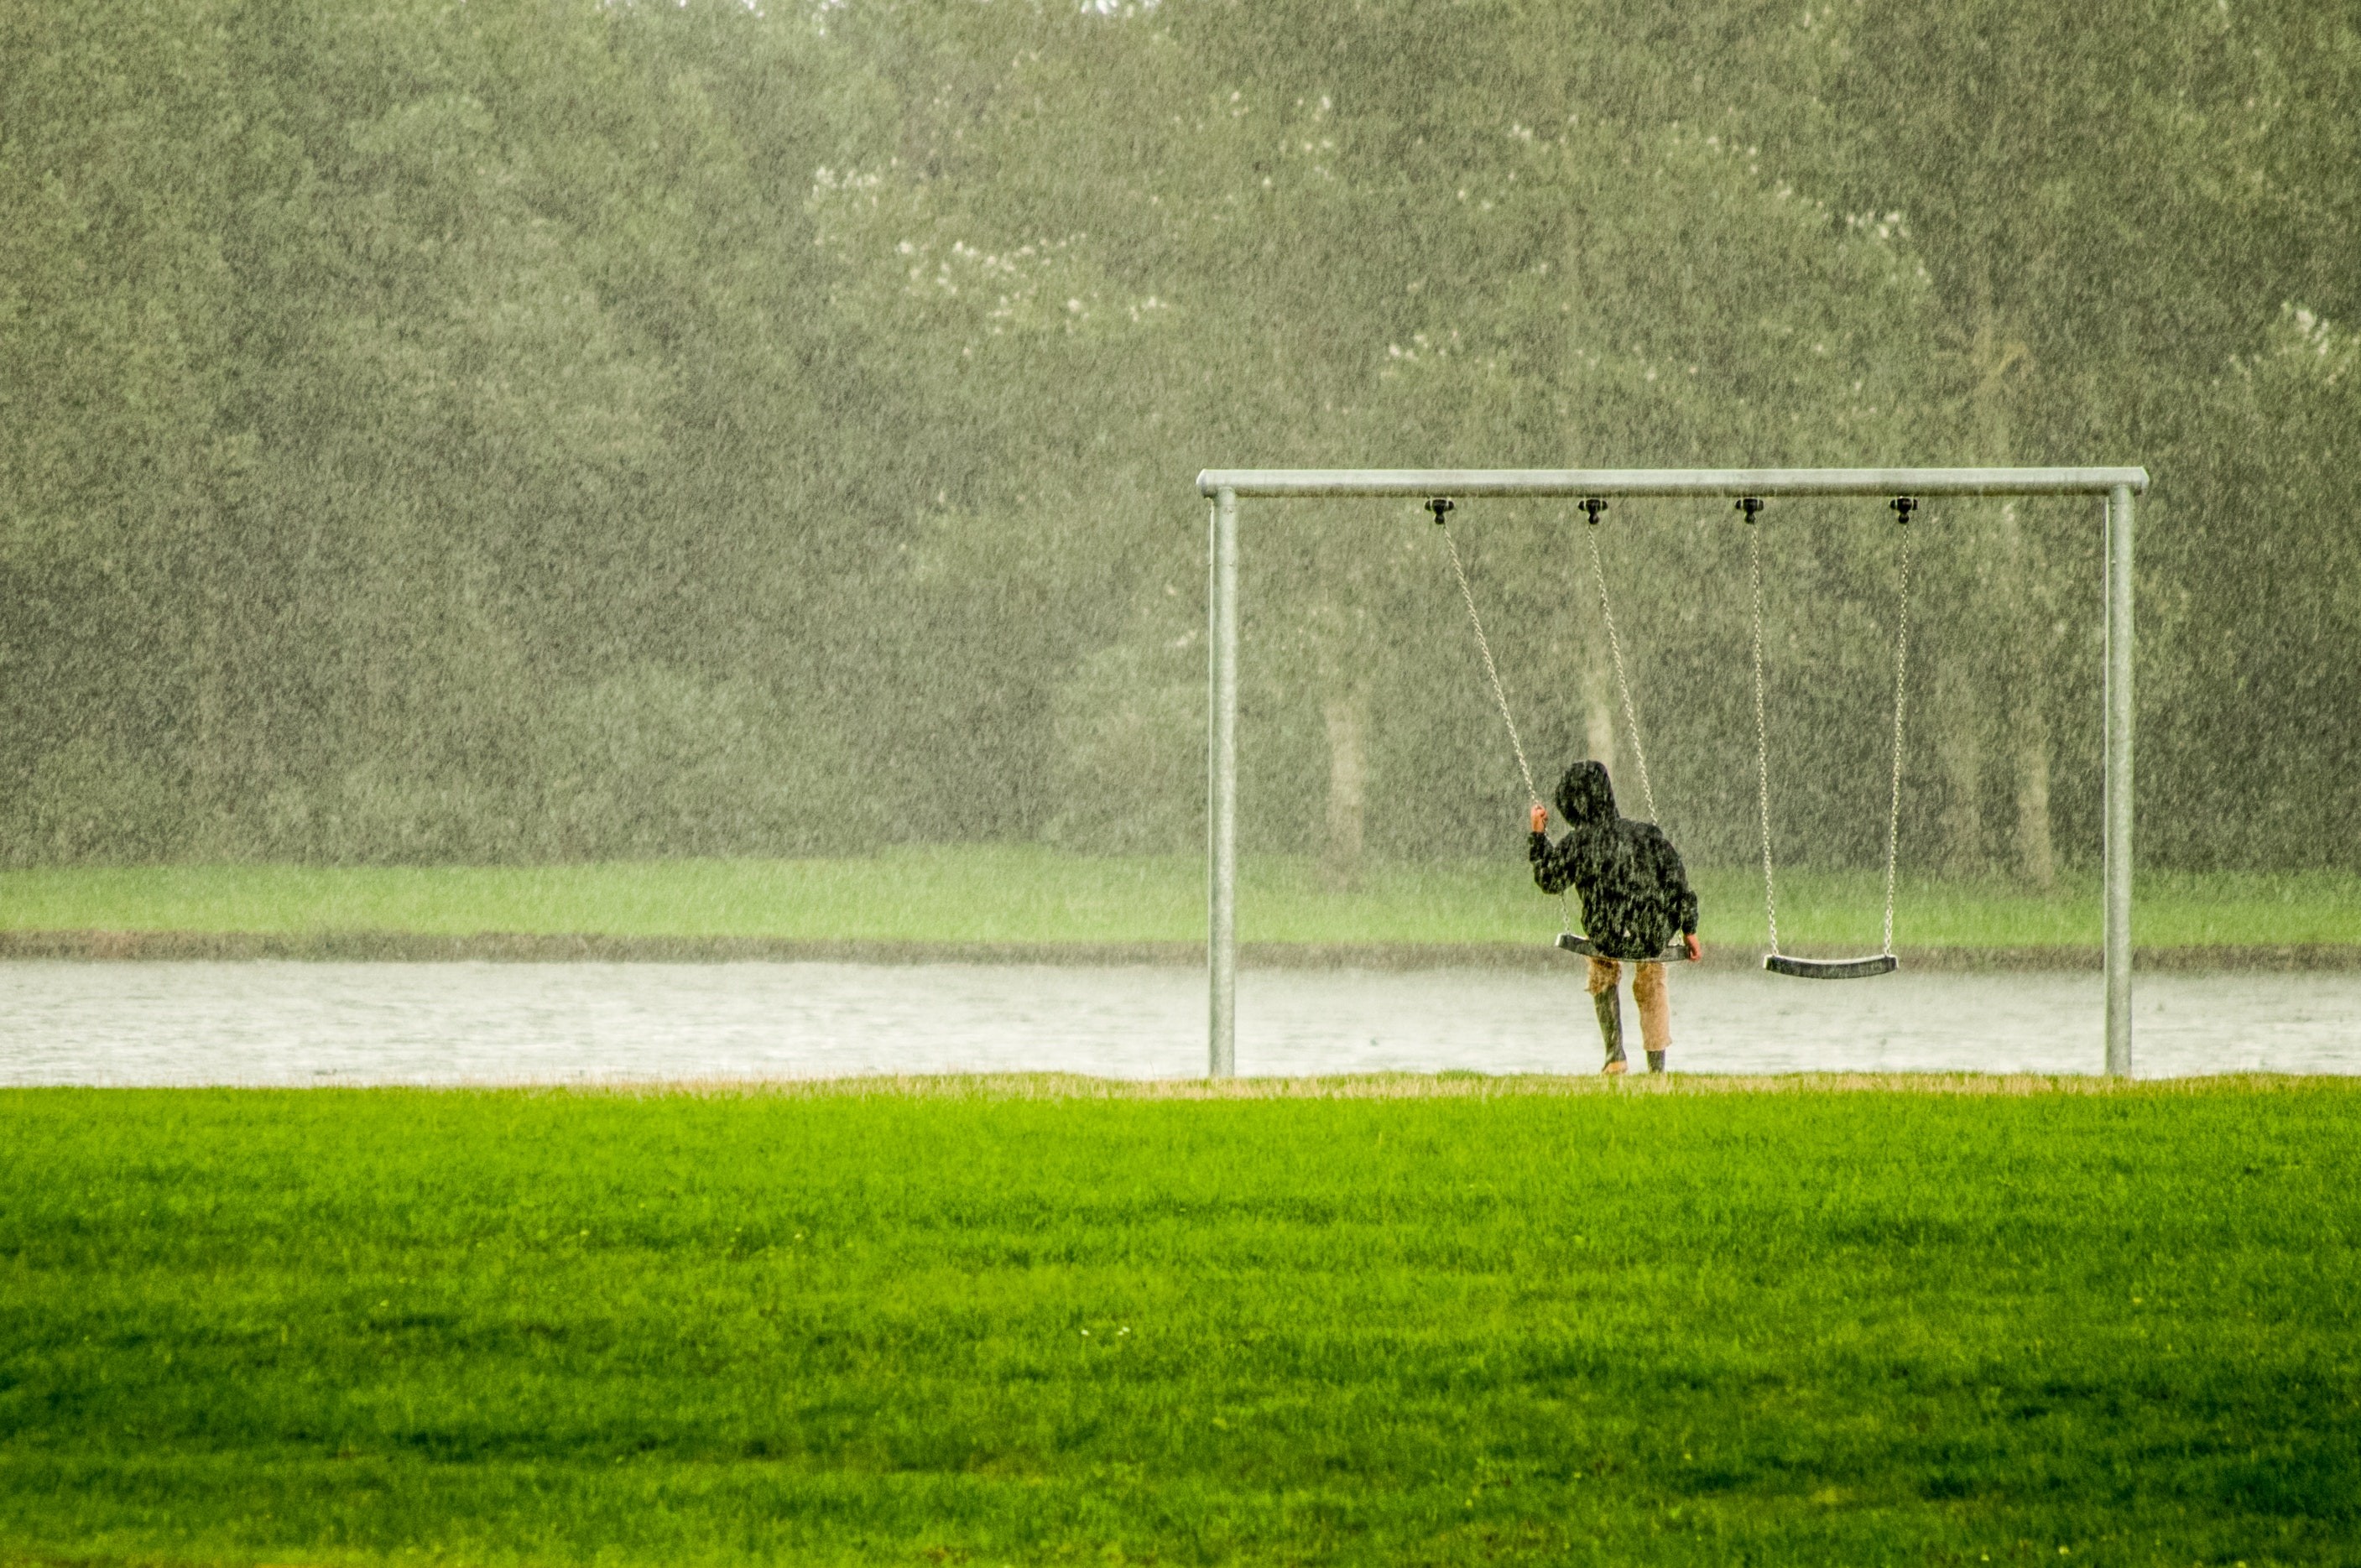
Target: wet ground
288, 1022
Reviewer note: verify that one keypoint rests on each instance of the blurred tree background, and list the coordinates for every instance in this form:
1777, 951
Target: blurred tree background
568, 429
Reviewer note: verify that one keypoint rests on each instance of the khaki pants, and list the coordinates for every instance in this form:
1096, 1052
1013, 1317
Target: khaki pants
1647, 990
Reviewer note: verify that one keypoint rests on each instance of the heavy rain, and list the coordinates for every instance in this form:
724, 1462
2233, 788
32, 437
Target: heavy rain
628, 434
622, 640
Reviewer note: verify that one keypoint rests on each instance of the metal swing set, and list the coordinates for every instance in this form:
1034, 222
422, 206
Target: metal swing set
1906, 487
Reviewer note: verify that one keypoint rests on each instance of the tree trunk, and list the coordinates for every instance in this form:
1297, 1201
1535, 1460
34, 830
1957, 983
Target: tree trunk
1348, 713
1959, 757
2019, 599
2035, 863
2029, 702
1598, 713
208, 755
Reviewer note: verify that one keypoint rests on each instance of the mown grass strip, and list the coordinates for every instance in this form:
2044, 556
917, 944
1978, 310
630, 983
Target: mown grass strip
1384, 1321
986, 894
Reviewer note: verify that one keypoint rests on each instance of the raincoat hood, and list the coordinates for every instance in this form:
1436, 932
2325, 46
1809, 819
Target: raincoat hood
1585, 798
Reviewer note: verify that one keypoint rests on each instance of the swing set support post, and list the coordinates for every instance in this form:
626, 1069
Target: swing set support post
1222, 787
2118, 804
1223, 488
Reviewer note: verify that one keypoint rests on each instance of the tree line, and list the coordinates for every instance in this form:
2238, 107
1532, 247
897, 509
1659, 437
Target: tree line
554, 431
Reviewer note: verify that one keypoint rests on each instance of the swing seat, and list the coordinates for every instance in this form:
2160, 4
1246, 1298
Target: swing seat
1831, 969
1576, 942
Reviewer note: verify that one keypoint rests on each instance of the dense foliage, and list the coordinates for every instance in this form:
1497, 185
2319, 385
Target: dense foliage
529, 432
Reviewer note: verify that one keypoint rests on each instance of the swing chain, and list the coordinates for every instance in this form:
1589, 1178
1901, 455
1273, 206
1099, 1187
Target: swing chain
1750, 506
1592, 507
1439, 505
1903, 507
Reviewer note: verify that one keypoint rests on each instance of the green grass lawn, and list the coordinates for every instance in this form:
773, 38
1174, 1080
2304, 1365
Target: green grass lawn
985, 893
1411, 1322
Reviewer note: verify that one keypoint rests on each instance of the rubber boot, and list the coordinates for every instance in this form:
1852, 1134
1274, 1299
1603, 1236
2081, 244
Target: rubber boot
1610, 1003
1655, 1061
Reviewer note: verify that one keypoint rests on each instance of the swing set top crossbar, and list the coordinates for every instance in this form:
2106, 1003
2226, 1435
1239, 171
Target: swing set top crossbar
1766, 482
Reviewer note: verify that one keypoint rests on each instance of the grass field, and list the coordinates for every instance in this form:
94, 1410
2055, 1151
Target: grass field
984, 895
1409, 1322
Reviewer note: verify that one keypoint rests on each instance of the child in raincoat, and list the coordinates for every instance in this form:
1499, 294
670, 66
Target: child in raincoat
1635, 896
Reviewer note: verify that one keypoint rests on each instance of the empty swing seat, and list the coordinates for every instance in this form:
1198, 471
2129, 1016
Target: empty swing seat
1576, 942
1830, 969
1775, 961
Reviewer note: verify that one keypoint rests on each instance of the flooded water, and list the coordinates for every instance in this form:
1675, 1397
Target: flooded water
264, 1023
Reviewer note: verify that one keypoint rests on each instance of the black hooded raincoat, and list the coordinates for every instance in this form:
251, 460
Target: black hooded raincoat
1636, 894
